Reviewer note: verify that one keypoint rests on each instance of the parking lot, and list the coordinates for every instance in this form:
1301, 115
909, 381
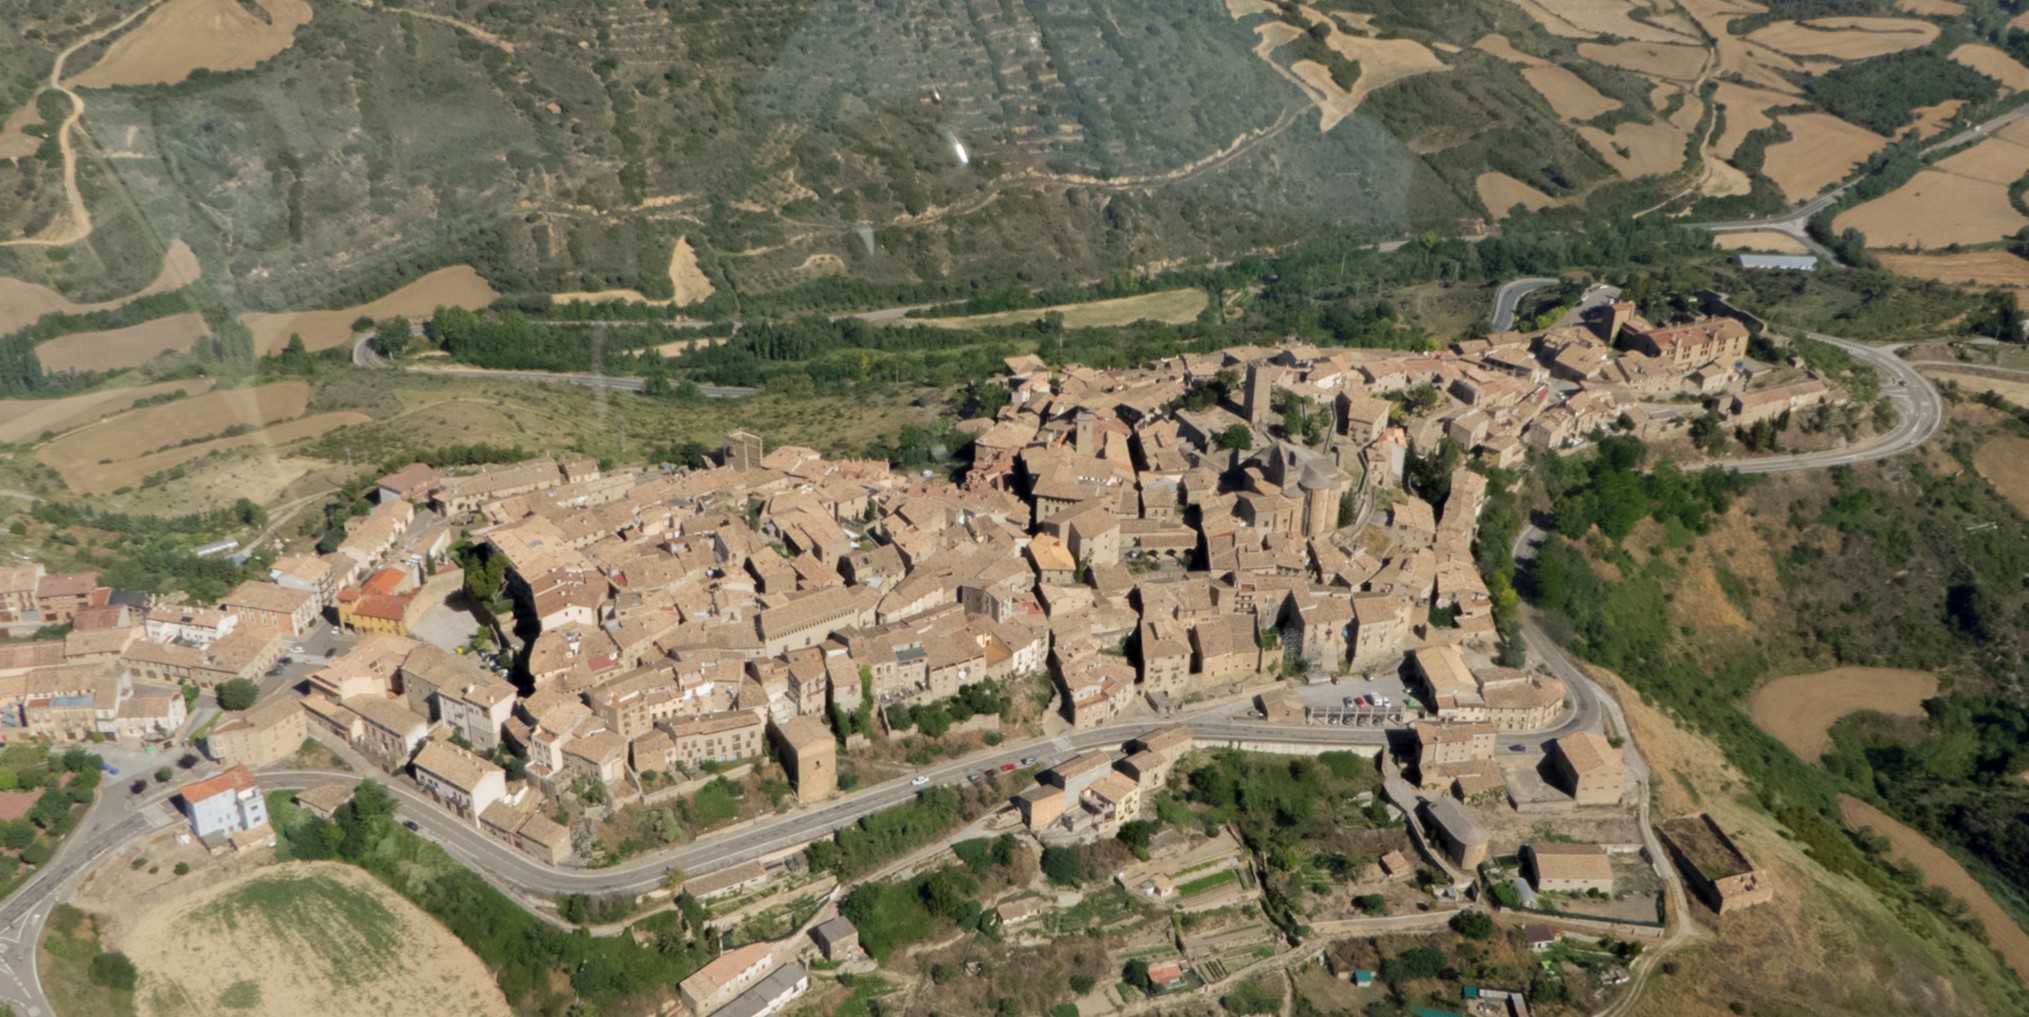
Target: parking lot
318, 645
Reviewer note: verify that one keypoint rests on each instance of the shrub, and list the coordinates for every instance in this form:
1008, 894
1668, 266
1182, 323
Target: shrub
238, 694
183, 868
114, 971
1082, 984
1472, 924
1063, 866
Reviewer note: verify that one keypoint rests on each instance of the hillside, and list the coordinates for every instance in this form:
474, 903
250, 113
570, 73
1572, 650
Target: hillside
860, 149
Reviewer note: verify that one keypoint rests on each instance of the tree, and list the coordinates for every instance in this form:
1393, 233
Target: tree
190, 693
1082, 984
1135, 833
238, 694
1472, 924
114, 971
1412, 964
1135, 973
1063, 866
163, 775
1237, 437
391, 337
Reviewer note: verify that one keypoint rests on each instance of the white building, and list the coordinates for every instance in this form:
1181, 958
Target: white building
225, 804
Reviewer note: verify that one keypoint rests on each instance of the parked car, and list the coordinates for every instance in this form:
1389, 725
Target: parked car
1350, 701
295, 649
111, 770
1518, 748
1029, 760
330, 653
972, 778
1007, 767
919, 781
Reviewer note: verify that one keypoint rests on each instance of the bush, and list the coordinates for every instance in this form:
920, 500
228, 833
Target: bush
1472, 924
1251, 997
183, 868
1412, 964
114, 971
1063, 866
1082, 984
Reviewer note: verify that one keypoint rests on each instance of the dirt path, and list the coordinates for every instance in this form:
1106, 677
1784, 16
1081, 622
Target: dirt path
1695, 91
469, 29
1912, 848
80, 217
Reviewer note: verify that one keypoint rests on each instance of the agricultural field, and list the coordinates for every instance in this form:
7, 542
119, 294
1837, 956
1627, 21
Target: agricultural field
1172, 307
1939, 868
23, 420
1964, 268
182, 36
1766, 241
2004, 462
119, 348
22, 302
1845, 38
1500, 193
457, 286
302, 938
1936, 209
1994, 64
1799, 709
687, 282
1821, 151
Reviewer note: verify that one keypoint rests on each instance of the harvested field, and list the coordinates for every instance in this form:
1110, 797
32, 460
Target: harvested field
1334, 104
1994, 64
1591, 19
1821, 151
304, 937
1941, 869
1383, 61
1662, 60
1500, 193
1845, 38
2016, 392
1242, 8
1799, 709
2020, 21
2004, 462
1568, 94
1931, 8
1173, 307
1931, 120
1936, 209
1746, 112
15, 141
1638, 150
182, 36
122, 347
105, 478
22, 302
1723, 179
1767, 241
1996, 160
686, 280
142, 431
22, 420
457, 286
1965, 268
1499, 46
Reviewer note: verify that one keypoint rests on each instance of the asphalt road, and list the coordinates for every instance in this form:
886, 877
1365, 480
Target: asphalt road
1511, 295
1919, 410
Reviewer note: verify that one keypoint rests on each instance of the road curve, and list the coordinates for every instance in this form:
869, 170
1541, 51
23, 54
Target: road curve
1510, 296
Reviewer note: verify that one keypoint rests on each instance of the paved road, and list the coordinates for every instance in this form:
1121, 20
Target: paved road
1510, 295
1919, 410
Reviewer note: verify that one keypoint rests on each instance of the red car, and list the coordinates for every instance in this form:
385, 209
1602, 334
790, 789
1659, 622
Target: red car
1007, 767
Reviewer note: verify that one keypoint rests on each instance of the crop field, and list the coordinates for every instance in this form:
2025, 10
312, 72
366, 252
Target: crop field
23, 302
1768, 241
23, 420
1932, 8
156, 427
2016, 392
1931, 120
1845, 38
267, 444
1939, 868
1997, 160
1799, 709
1500, 193
1499, 46
1568, 94
1746, 112
1821, 151
303, 938
122, 347
1171, 307
1590, 19
1936, 209
1664, 60
182, 36
2004, 463
457, 286
1636, 150
1994, 64
1963, 268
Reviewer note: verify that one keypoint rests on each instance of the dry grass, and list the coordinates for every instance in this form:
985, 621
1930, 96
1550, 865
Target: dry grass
1768, 241
1173, 307
312, 937
1638, 150
1500, 193
1661, 60
1966, 268
122, 347
1821, 151
2014, 391
686, 280
23, 420
817, 266
2004, 462
1846, 38
182, 36
1994, 64
106, 478
1568, 94
1941, 869
15, 141
1799, 709
1936, 209
458, 286
22, 302
1500, 47
1931, 8
1746, 112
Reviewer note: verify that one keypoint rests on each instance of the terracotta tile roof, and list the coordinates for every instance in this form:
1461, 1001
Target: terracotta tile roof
234, 779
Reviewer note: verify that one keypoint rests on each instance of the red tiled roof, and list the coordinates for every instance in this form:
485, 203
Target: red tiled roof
235, 778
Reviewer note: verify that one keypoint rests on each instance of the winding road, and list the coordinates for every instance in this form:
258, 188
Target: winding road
1510, 297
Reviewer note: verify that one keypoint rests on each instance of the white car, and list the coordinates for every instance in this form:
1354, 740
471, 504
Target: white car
334, 630
919, 781
295, 649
